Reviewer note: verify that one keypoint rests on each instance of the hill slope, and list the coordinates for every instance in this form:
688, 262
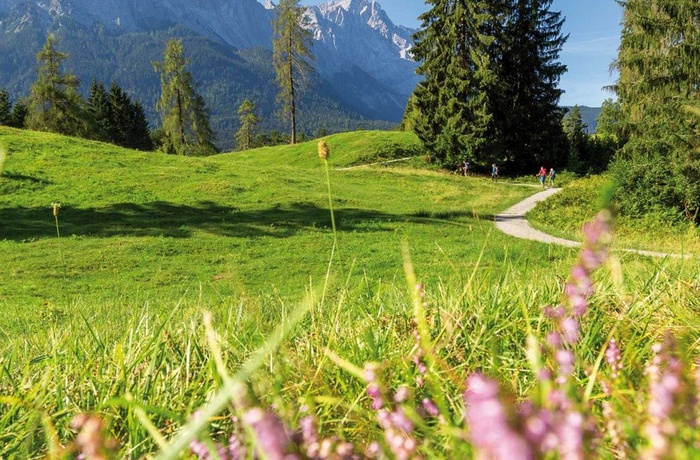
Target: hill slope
157, 226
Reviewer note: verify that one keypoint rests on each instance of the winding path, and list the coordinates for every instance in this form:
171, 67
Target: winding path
512, 222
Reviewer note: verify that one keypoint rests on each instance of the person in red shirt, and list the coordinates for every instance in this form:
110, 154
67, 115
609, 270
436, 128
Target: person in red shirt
542, 174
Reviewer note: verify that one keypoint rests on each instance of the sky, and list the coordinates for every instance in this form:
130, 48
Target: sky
594, 36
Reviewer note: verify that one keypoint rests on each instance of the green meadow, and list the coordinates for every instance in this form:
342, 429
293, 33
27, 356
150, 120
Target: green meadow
103, 304
143, 227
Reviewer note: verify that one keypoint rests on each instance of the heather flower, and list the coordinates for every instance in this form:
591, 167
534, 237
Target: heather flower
613, 358
664, 385
430, 407
490, 431
571, 435
91, 442
272, 437
565, 359
397, 426
570, 330
402, 394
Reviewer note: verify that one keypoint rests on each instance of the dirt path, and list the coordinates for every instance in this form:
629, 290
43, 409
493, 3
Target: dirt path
372, 164
512, 222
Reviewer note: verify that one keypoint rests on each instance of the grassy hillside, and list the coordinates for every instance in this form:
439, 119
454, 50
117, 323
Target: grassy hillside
103, 306
565, 213
143, 227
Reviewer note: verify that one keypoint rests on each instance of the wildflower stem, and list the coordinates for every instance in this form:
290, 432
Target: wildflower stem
330, 207
56, 207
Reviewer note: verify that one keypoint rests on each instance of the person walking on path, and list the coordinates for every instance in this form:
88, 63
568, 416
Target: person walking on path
542, 175
494, 172
551, 176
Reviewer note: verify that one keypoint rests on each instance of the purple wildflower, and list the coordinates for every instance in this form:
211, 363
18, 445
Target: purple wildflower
613, 358
430, 407
272, 437
490, 431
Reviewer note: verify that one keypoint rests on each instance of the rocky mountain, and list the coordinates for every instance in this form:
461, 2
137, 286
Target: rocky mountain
364, 73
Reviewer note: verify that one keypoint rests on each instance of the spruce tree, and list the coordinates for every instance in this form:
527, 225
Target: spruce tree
99, 108
249, 121
454, 117
54, 102
658, 168
610, 122
120, 115
19, 115
490, 89
185, 120
5, 108
526, 95
204, 135
140, 133
575, 131
291, 58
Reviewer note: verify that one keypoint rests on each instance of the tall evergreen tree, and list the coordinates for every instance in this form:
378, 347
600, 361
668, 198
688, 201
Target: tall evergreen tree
490, 89
204, 135
575, 131
116, 119
658, 63
291, 57
5, 108
610, 121
454, 117
120, 115
99, 108
19, 115
249, 121
526, 94
139, 129
54, 102
185, 125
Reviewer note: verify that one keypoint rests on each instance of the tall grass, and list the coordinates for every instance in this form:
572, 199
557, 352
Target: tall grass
370, 362
179, 375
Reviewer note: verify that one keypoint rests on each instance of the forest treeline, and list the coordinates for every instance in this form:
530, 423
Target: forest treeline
55, 103
490, 95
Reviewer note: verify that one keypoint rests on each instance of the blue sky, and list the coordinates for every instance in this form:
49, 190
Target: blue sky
594, 35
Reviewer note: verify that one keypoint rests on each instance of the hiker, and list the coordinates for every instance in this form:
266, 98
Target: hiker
494, 172
542, 175
465, 168
551, 176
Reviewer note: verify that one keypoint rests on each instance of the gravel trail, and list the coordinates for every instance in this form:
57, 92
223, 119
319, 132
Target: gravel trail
512, 222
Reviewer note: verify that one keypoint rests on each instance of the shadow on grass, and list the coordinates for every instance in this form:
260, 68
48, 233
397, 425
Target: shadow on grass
180, 221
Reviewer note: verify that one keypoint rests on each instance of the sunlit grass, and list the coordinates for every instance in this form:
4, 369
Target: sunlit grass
110, 318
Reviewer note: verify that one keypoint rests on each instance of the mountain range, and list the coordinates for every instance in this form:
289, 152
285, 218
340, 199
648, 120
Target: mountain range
363, 76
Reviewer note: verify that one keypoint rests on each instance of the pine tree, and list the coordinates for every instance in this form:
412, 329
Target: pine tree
99, 108
526, 94
185, 121
291, 58
658, 63
120, 115
5, 108
490, 88
610, 121
54, 102
140, 133
454, 117
575, 131
20, 113
203, 133
249, 121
